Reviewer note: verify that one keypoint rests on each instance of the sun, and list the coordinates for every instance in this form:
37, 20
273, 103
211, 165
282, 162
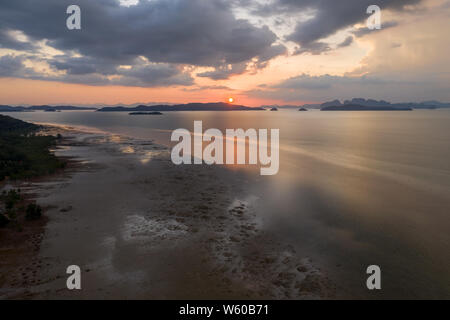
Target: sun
230, 100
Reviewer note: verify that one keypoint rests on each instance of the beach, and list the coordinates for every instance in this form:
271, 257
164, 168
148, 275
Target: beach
140, 227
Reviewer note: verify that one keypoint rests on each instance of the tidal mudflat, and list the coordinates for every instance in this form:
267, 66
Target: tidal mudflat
142, 228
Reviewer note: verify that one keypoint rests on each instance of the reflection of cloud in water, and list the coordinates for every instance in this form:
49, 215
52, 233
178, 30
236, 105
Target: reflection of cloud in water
143, 150
148, 156
116, 138
421, 177
128, 150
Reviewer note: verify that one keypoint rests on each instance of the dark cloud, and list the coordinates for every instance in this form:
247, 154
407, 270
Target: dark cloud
322, 82
170, 34
307, 82
202, 88
328, 17
314, 48
270, 53
327, 87
8, 41
154, 75
347, 42
224, 72
139, 75
260, 62
194, 32
12, 66
82, 65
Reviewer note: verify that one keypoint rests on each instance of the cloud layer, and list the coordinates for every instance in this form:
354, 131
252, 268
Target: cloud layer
176, 32
300, 49
328, 17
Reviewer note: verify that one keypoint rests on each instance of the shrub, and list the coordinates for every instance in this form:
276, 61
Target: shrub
11, 214
33, 212
3, 220
11, 198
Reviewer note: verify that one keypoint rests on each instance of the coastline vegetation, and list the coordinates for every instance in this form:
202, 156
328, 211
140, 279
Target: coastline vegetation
23, 153
16, 207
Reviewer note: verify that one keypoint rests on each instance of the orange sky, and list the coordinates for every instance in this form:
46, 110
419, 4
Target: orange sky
413, 52
22, 91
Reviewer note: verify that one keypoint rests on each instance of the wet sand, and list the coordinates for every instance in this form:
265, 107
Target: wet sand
142, 228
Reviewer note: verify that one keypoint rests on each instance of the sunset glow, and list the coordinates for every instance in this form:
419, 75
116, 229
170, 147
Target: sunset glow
263, 62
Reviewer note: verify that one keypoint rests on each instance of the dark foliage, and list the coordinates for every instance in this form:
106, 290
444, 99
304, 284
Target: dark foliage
4, 220
24, 154
33, 212
10, 198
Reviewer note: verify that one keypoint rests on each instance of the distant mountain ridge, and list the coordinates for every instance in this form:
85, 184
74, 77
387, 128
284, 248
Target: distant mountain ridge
4, 108
356, 107
432, 104
381, 103
182, 107
367, 103
219, 106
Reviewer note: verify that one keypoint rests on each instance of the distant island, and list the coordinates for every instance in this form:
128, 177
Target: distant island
182, 107
430, 105
4, 108
385, 104
355, 104
156, 113
352, 107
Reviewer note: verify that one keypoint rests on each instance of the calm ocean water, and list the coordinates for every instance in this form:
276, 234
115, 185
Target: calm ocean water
354, 188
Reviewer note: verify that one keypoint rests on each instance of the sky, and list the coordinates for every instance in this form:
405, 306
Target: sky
259, 52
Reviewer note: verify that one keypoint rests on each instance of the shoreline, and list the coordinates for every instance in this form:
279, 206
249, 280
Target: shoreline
20, 244
170, 232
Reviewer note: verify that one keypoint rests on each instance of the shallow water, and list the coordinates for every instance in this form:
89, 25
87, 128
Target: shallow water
354, 189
